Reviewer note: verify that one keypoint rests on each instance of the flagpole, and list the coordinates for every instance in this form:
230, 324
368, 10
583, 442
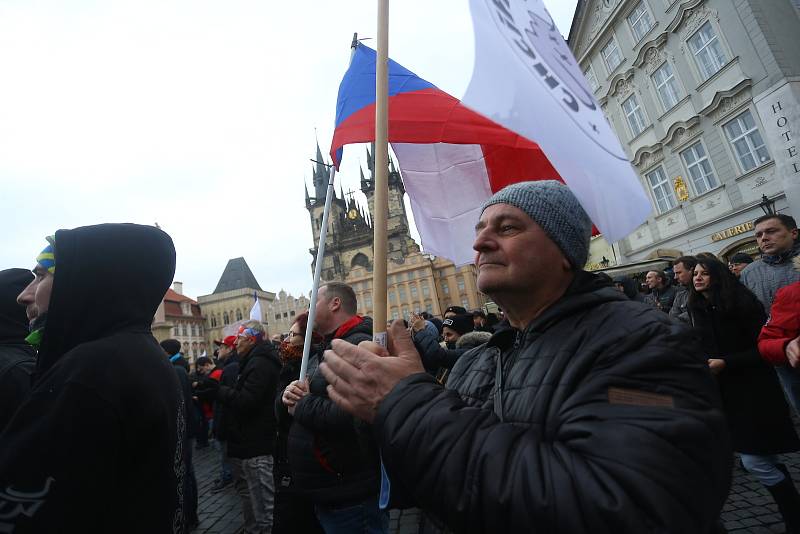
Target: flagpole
312, 309
381, 209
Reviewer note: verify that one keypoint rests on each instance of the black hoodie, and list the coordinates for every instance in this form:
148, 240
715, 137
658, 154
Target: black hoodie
17, 357
98, 446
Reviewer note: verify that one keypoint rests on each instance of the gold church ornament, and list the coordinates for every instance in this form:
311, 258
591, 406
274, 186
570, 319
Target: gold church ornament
352, 214
680, 189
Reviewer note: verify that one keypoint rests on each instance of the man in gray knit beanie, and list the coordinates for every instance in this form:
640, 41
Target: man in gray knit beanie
586, 412
554, 207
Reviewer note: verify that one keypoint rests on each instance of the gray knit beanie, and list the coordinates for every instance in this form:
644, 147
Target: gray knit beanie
554, 207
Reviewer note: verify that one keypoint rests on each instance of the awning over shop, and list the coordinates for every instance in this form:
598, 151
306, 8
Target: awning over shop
658, 264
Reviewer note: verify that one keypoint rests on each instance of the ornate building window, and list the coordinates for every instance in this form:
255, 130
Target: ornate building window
401, 290
175, 330
183, 330
746, 140
368, 300
634, 114
414, 291
461, 285
640, 22
666, 86
699, 168
392, 297
662, 192
395, 315
225, 318
611, 55
591, 78
429, 307
445, 288
238, 314
707, 50
426, 290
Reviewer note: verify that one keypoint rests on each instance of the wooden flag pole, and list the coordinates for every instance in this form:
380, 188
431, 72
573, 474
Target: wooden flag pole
381, 210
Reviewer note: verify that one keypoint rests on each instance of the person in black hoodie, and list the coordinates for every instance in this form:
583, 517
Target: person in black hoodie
250, 423
172, 347
98, 446
333, 456
17, 357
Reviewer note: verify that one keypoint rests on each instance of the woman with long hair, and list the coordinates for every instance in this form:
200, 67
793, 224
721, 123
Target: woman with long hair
294, 513
729, 318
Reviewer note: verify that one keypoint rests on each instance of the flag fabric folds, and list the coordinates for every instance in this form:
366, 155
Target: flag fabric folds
255, 311
451, 158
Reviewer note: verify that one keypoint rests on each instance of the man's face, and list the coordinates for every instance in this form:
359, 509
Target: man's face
619, 287
773, 237
737, 268
223, 352
36, 297
206, 369
513, 253
450, 336
244, 344
652, 280
326, 307
477, 320
682, 275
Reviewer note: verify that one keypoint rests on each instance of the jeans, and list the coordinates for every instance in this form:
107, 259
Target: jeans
790, 380
362, 518
226, 472
255, 485
763, 468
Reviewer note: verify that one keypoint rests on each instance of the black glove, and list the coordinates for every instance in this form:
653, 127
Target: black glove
207, 389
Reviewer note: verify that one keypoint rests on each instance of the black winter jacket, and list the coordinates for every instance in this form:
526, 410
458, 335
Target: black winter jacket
230, 370
98, 446
249, 414
599, 417
17, 358
755, 406
333, 456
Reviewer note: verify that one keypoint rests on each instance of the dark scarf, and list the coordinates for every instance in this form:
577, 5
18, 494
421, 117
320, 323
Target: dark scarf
783, 256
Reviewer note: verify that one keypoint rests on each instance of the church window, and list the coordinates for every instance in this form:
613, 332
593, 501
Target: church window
360, 260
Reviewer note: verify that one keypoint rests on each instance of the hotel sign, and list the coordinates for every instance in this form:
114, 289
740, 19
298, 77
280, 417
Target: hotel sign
739, 229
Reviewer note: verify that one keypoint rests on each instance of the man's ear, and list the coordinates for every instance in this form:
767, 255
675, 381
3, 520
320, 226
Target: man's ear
565, 264
335, 304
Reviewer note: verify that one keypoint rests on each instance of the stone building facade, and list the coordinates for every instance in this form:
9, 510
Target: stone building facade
282, 311
416, 281
703, 95
232, 300
179, 317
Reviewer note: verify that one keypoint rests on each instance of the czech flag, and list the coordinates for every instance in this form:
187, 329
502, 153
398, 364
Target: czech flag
451, 158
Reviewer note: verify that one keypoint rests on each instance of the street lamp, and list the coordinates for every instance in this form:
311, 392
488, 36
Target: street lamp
767, 205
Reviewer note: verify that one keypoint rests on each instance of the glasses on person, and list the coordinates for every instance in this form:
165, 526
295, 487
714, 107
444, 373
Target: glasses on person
290, 335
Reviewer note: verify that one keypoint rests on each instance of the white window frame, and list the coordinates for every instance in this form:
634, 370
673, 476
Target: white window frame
635, 116
750, 139
708, 179
705, 49
669, 84
633, 24
666, 201
591, 78
609, 68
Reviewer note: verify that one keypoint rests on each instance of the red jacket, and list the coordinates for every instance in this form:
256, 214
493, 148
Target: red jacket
782, 326
208, 408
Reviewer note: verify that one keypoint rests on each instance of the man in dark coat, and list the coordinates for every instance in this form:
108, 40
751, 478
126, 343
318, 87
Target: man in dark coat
588, 413
333, 456
250, 423
17, 357
662, 294
229, 362
98, 446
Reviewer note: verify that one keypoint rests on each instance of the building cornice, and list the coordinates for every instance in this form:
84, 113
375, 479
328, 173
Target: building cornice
657, 42
677, 129
727, 98
684, 12
642, 157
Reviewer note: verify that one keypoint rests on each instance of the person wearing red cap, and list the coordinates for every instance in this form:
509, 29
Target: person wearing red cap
229, 361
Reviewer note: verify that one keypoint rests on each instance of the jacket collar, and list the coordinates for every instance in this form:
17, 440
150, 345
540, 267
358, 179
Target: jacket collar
347, 326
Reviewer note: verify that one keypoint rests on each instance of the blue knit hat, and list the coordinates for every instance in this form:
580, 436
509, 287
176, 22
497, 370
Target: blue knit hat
554, 207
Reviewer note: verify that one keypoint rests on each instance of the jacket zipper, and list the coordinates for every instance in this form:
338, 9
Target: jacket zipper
500, 375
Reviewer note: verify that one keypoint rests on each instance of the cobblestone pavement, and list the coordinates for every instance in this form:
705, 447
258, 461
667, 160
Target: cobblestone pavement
749, 509
219, 513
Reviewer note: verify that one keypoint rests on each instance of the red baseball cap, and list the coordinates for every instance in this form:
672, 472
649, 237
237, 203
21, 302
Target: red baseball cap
229, 341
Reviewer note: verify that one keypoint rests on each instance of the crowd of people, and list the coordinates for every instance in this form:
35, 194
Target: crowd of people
588, 404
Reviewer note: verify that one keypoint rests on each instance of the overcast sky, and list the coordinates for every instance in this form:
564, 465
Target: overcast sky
199, 115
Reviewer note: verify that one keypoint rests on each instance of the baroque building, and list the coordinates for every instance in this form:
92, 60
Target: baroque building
232, 300
179, 317
416, 281
282, 311
703, 95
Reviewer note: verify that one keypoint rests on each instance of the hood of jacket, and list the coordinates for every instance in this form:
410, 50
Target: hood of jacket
13, 321
471, 340
110, 278
586, 291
